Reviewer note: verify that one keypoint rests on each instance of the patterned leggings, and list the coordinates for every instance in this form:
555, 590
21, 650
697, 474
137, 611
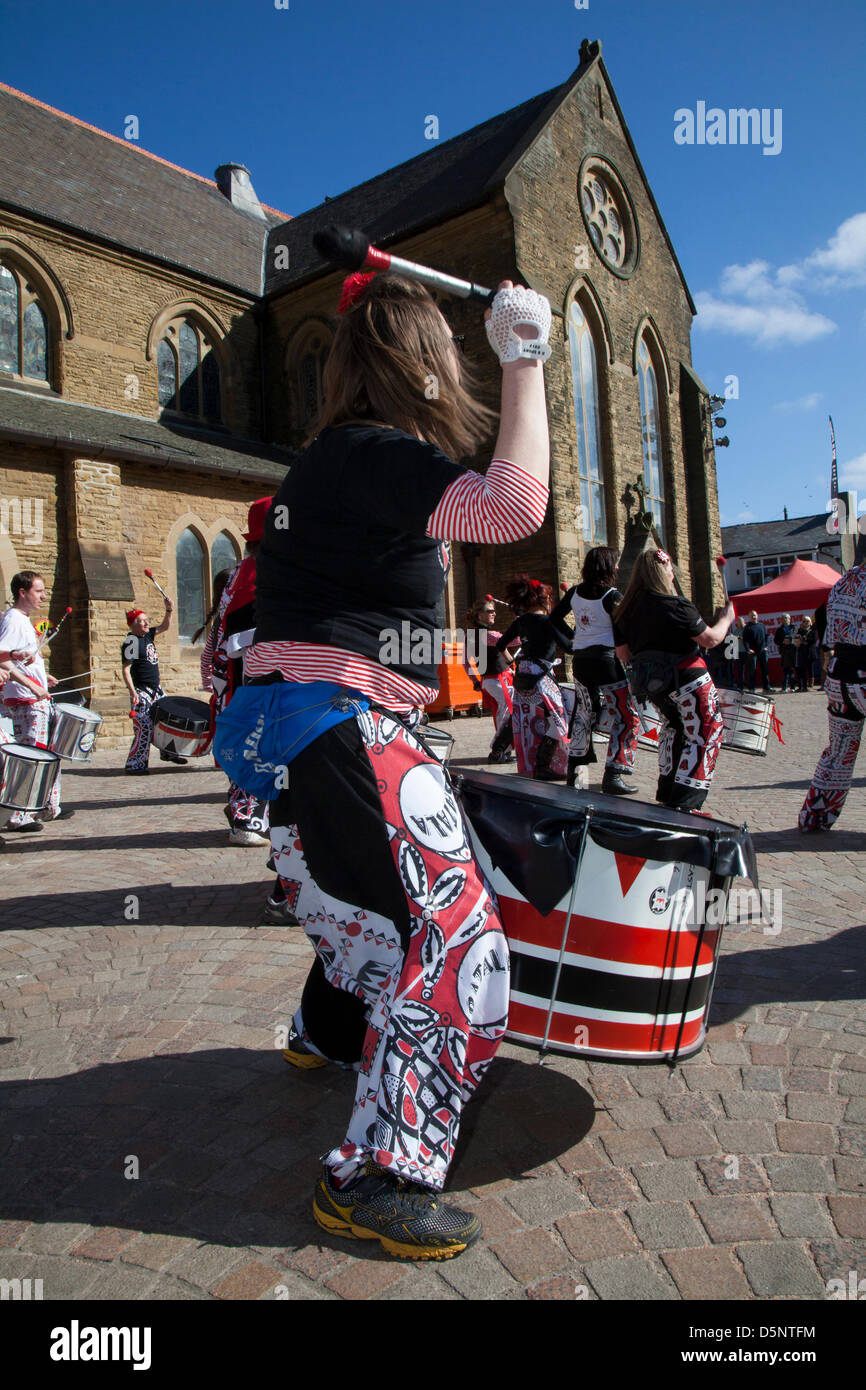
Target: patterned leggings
846, 709
31, 728
142, 723
411, 975
601, 682
245, 811
689, 741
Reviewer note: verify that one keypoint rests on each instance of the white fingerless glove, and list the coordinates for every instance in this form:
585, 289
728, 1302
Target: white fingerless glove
523, 307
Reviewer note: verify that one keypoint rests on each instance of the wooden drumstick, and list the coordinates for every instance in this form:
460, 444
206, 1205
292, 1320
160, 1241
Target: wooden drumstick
149, 574
720, 564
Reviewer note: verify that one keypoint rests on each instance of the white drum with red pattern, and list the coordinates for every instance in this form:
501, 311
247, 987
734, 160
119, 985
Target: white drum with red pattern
612, 953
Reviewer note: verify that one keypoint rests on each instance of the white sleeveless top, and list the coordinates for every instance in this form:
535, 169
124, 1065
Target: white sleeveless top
592, 625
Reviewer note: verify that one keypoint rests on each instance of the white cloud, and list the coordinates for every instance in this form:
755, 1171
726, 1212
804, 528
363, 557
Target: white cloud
780, 317
853, 474
767, 304
842, 262
801, 403
745, 516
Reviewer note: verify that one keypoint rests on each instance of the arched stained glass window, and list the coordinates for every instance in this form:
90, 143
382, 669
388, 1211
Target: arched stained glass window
189, 374
223, 554
584, 380
651, 438
23, 328
190, 562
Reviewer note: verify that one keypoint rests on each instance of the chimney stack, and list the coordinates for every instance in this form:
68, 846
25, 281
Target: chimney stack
234, 183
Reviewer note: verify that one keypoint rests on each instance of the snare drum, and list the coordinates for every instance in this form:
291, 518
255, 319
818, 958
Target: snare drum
613, 914
181, 725
27, 776
748, 719
72, 732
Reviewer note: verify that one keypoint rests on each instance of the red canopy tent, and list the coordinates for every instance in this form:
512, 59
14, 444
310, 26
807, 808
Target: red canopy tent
801, 589
803, 586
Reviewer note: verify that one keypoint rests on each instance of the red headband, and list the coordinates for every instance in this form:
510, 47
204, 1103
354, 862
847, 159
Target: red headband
133, 613
353, 287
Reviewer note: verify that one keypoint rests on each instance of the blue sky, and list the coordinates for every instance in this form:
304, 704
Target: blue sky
320, 95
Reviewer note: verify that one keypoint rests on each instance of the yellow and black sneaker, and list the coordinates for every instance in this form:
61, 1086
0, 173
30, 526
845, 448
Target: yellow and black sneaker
411, 1222
297, 1055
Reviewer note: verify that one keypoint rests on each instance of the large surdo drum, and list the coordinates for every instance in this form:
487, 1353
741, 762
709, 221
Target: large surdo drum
181, 725
611, 915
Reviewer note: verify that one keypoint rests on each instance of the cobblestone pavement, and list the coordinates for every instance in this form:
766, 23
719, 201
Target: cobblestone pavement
141, 1004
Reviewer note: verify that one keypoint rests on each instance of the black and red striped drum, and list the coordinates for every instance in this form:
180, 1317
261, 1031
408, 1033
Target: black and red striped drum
613, 914
181, 725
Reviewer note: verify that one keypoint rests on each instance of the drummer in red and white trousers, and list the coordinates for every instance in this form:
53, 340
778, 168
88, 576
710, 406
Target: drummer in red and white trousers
141, 678
25, 697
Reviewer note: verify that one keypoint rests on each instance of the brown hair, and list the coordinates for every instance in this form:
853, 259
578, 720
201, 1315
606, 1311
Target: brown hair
648, 574
23, 580
524, 593
393, 362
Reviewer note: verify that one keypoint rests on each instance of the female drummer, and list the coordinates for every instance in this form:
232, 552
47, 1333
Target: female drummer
538, 714
662, 633
140, 665
495, 684
599, 677
410, 981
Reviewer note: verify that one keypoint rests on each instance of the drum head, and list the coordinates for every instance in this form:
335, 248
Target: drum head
182, 707
27, 754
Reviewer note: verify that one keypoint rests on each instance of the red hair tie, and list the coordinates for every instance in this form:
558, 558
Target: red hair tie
663, 557
353, 287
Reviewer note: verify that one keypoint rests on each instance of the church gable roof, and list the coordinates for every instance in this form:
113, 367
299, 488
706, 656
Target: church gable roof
72, 174
445, 180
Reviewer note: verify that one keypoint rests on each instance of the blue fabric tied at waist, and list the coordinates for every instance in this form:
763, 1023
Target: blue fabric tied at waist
266, 726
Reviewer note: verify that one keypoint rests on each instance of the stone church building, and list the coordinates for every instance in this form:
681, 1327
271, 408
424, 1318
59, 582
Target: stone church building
162, 339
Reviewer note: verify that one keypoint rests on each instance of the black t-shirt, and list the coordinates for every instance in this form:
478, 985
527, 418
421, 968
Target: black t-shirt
140, 654
662, 623
353, 561
537, 634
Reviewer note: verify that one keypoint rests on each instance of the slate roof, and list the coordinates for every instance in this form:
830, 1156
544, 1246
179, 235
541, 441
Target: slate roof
46, 421
754, 538
59, 168
447, 179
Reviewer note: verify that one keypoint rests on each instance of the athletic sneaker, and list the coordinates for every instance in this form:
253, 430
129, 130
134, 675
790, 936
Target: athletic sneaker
246, 838
409, 1221
26, 828
279, 914
297, 1055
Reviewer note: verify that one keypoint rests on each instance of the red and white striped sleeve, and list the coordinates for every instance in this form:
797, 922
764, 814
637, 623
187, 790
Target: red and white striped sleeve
505, 505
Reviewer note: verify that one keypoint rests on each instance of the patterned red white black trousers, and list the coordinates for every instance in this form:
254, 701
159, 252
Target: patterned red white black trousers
600, 685
31, 722
846, 710
412, 970
142, 723
690, 737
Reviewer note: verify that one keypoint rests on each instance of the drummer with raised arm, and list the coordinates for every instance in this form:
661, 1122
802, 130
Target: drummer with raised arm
141, 678
24, 696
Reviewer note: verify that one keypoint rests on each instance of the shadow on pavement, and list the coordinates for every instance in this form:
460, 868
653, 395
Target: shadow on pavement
833, 968
228, 1142
216, 905
135, 844
790, 841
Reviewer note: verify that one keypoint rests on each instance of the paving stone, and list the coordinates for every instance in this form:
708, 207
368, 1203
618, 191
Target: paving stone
804, 1105
800, 1215
251, 1281
745, 1136
762, 1079
852, 1140
706, 1274
849, 1214
795, 1136
679, 1109
608, 1189
850, 1174
723, 1177
799, 1173
674, 1180
780, 1270
123, 1283
530, 1255
52, 1239
666, 1226
839, 1259
753, 1105
539, 1200
637, 1114
206, 1265
592, 1235
632, 1145
478, 1274
852, 1084
560, 1287
689, 1139
729, 1219
102, 1244
155, 1251
632, 1277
